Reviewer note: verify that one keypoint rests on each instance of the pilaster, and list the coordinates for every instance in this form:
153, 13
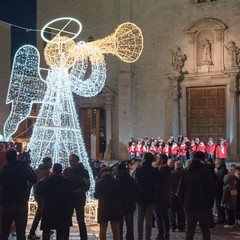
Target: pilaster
126, 115
108, 108
233, 115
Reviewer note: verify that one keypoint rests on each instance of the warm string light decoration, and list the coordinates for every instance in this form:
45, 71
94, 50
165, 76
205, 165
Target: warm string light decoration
57, 132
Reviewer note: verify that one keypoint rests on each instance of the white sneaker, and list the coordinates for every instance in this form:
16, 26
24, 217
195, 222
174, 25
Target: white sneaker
229, 226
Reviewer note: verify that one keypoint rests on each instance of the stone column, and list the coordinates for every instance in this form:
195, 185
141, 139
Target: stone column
233, 117
176, 95
219, 63
108, 131
126, 114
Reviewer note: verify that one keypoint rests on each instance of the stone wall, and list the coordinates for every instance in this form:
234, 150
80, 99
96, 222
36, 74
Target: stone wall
5, 46
143, 92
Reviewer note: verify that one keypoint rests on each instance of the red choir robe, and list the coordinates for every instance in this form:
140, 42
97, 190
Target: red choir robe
161, 149
168, 150
139, 149
183, 150
154, 150
211, 148
193, 149
221, 151
174, 149
145, 148
201, 148
131, 150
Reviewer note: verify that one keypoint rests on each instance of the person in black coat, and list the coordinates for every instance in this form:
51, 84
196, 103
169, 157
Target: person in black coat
146, 178
196, 191
163, 188
79, 176
42, 171
15, 177
56, 213
237, 180
128, 193
108, 193
178, 216
220, 171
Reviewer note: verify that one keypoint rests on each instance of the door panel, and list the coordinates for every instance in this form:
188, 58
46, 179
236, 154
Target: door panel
85, 124
92, 121
206, 110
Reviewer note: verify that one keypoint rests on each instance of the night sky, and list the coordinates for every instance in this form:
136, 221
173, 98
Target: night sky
22, 13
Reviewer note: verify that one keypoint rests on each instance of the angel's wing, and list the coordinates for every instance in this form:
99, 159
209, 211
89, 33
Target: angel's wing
94, 84
25, 88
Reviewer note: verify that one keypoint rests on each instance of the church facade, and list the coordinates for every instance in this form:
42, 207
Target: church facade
185, 82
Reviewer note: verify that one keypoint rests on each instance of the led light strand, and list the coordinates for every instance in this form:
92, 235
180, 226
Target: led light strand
57, 133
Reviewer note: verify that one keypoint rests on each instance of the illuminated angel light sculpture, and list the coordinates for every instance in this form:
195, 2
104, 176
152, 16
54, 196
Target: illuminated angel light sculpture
57, 132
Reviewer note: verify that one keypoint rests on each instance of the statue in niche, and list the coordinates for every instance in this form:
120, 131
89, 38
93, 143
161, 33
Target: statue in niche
178, 59
233, 52
207, 52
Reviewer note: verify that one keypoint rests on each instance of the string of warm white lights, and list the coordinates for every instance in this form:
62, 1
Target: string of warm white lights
57, 133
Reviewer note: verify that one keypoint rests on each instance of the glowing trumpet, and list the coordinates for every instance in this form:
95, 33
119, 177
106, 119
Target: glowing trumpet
126, 43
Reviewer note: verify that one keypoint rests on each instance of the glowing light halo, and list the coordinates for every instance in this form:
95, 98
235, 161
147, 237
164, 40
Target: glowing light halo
57, 132
58, 20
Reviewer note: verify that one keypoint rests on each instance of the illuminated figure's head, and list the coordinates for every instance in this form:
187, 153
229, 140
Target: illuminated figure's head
60, 52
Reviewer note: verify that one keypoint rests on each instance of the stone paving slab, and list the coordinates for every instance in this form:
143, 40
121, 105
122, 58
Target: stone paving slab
217, 233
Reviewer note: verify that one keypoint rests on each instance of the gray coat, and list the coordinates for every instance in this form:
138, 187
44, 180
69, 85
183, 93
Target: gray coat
229, 199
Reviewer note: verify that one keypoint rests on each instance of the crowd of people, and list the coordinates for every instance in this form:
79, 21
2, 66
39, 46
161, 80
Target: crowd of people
174, 197
58, 194
159, 188
180, 149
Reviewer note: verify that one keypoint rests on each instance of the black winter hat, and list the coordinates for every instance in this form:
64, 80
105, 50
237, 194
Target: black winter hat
122, 166
199, 155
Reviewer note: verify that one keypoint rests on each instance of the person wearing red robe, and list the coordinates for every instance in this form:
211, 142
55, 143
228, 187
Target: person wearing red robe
183, 149
170, 140
174, 151
210, 149
201, 147
139, 149
154, 147
221, 150
197, 141
161, 147
192, 149
168, 150
132, 151
146, 147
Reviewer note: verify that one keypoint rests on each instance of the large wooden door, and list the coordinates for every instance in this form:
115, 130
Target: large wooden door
92, 121
206, 108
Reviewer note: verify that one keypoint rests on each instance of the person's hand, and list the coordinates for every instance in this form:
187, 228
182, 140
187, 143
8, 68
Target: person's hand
42, 179
86, 180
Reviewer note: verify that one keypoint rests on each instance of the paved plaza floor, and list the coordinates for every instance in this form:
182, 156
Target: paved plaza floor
217, 233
